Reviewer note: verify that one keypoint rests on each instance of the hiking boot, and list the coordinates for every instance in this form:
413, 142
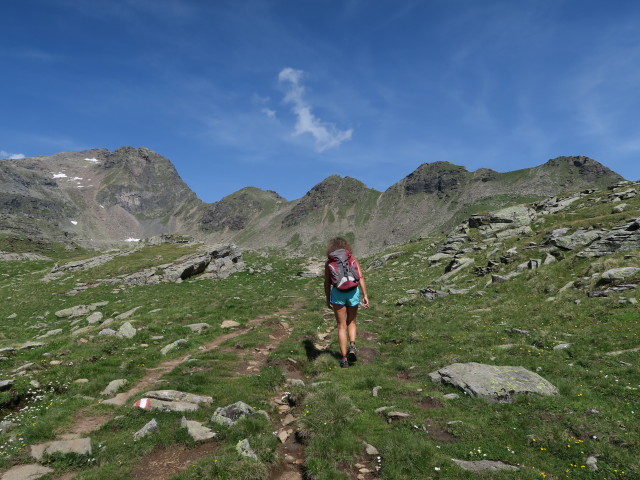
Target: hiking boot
344, 363
351, 352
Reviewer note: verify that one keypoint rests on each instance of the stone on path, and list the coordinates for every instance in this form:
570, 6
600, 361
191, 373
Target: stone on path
196, 430
370, 449
114, 386
26, 472
177, 396
148, 429
198, 327
244, 449
80, 446
484, 466
166, 349
497, 383
164, 406
229, 324
230, 414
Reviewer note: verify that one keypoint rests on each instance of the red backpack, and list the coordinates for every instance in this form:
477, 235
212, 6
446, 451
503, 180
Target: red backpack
343, 270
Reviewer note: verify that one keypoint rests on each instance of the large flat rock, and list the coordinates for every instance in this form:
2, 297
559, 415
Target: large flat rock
80, 446
26, 472
495, 383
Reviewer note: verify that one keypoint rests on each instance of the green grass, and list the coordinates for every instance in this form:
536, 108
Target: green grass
596, 412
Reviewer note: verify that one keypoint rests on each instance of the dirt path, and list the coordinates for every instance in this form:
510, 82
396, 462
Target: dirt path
165, 462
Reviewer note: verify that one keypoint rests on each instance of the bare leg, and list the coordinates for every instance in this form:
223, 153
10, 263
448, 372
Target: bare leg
340, 311
352, 312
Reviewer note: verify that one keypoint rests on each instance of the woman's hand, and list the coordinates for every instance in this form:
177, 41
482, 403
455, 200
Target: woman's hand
365, 302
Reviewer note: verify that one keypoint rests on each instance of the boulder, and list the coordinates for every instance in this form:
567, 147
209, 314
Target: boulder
6, 385
114, 386
148, 429
76, 311
26, 472
619, 274
229, 324
127, 314
127, 330
379, 262
79, 446
178, 396
621, 238
95, 317
484, 466
578, 239
244, 449
196, 430
166, 349
163, 406
495, 383
230, 414
198, 327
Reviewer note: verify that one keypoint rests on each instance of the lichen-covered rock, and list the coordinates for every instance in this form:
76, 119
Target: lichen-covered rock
244, 449
621, 238
619, 274
114, 386
127, 330
578, 239
196, 430
148, 429
496, 383
172, 346
230, 414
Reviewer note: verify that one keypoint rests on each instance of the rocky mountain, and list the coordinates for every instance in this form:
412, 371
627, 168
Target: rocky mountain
100, 199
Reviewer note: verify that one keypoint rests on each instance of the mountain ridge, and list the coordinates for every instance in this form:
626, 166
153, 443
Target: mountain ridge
97, 198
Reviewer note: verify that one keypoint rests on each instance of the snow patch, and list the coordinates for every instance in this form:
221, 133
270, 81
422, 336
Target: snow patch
101, 206
92, 160
74, 222
132, 239
60, 175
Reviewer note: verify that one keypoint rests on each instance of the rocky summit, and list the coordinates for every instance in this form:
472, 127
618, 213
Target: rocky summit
100, 199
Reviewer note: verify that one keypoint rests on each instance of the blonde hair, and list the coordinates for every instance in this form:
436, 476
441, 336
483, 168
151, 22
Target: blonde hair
338, 243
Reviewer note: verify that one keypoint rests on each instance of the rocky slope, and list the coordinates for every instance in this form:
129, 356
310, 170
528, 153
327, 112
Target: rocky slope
100, 199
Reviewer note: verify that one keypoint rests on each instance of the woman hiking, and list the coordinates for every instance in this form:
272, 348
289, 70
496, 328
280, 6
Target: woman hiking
342, 277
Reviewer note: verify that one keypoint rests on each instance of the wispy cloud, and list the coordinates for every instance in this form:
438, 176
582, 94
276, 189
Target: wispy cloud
326, 134
11, 156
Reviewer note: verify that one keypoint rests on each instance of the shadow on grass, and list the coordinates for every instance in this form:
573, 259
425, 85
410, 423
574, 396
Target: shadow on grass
313, 353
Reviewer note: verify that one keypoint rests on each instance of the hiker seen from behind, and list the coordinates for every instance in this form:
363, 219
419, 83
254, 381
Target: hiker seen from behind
345, 289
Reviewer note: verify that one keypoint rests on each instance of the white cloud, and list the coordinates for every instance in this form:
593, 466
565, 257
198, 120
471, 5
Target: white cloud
11, 156
269, 113
326, 134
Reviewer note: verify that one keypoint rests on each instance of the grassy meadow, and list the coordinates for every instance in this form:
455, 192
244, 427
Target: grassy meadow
596, 413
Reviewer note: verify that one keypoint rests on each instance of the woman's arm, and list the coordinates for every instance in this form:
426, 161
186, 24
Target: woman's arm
363, 287
327, 284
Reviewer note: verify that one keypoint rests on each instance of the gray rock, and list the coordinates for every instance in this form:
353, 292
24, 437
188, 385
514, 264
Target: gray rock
244, 449
172, 346
618, 274
549, 259
370, 449
108, 332
162, 405
26, 472
6, 426
196, 430
562, 346
79, 446
451, 396
375, 391
13, 315
514, 232
619, 208
198, 327
7, 350
95, 317
127, 330
148, 429
114, 386
178, 396
50, 333
76, 311
484, 466
6, 385
30, 345
229, 324
578, 239
439, 257
127, 314
495, 383
379, 262
621, 238
592, 464
230, 414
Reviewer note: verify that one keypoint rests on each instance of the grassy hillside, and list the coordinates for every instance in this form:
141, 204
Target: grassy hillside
286, 333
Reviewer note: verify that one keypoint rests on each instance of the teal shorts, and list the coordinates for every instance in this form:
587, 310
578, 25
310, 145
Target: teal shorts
350, 298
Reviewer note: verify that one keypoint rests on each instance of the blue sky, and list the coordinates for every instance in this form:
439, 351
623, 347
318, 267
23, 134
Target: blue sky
280, 94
